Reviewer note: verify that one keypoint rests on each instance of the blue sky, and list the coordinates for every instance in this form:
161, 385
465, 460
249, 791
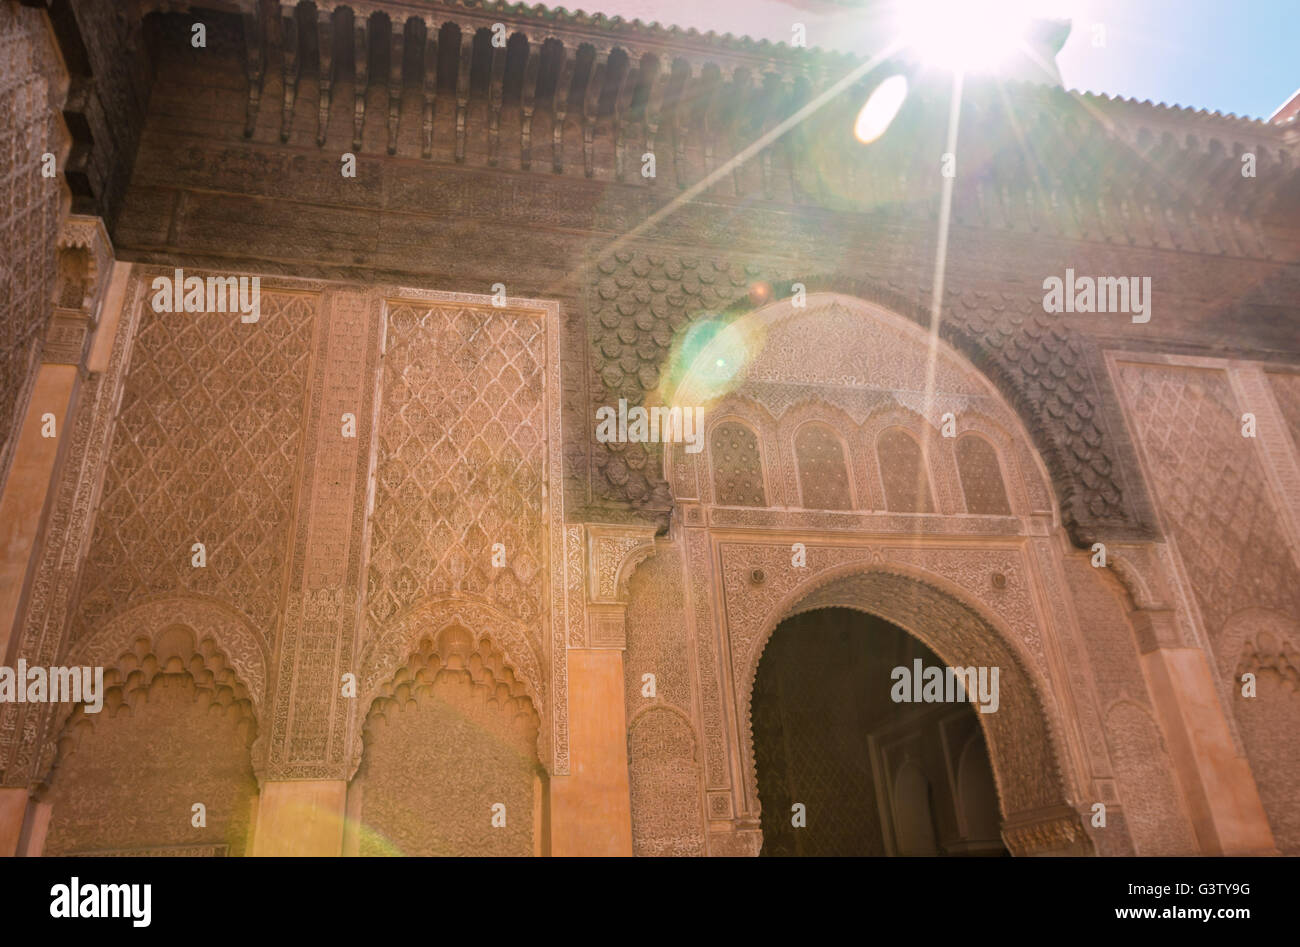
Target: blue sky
1240, 56
1227, 56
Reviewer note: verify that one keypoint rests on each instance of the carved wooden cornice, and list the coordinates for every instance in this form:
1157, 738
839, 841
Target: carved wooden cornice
1102, 170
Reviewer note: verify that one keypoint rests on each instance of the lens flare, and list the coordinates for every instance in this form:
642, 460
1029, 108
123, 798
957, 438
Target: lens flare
881, 107
710, 359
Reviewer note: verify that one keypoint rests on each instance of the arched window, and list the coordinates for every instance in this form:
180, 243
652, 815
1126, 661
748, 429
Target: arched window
977, 795
737, 466
907, 488
981, 477
823, 477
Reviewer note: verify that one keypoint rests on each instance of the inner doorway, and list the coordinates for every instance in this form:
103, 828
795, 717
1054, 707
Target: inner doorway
874, 776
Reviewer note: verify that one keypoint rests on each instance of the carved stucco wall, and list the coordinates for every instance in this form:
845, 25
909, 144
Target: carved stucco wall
663, 751
191, 435
451, 736
461, 462
229, 433
1150, 803
656, 632
468, 458
664, 772
178, 357
176, 729
42, 630
206, 449
977, 588
1270, 720
638, 302
870, 384
32, 87
1153, 811
1212, 489
1229, 526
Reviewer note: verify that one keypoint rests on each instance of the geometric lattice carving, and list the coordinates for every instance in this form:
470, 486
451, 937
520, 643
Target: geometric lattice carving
1286, 389
1213, 492
737, 466
981, 477
205, 450
823, 478
460, 461
902, 468
452, 734
665, 785
1216, 501
30, 211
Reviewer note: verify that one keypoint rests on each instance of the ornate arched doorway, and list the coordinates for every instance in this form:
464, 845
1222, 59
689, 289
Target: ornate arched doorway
851, 461
874, 775
1019, 729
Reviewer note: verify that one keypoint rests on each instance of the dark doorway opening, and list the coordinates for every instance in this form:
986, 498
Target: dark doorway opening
875, 776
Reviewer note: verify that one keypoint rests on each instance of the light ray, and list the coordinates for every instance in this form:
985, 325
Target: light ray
940, 267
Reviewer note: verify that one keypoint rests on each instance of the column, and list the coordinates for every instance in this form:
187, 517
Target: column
72, 347
592, 806
1217, 783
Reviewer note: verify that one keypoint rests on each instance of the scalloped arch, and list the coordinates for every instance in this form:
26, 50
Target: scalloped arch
1003, 414
977, 332
233, 634
1024, 737
391, 647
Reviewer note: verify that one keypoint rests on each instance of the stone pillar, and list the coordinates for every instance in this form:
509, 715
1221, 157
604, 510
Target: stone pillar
25, 492
300, 818
308, 752
592, 806
23, 823
1217, 783
84, 256
13, 807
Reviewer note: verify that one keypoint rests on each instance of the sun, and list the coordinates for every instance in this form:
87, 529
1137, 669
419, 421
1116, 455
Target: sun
969, 36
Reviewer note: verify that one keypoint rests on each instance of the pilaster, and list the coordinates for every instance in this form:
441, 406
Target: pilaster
592, 805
